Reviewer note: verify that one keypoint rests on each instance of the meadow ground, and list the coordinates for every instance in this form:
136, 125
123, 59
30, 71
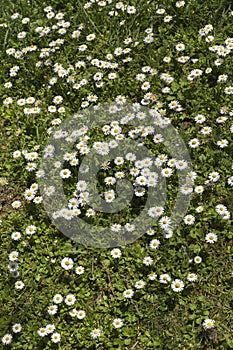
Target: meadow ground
164, 281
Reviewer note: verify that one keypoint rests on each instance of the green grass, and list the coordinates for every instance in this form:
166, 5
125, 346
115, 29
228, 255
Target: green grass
156, 317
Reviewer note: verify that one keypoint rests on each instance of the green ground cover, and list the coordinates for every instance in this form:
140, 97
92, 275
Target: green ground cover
169, 288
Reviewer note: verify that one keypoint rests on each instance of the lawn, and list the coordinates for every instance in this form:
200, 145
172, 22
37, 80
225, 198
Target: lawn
116, 175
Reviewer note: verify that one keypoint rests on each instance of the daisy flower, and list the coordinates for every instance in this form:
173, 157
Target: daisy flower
16, 328
166, 172
128, 293
79, 270
7, 339
73, 312
152, 276
139, 284
223, 143
194, 143
50, 328
81, 314
165, 222
57, 299
155, 211
16, 235
42, 332
67, 263
70, 299
16, 204
19, 285
221, 209
177, 285
56, 337
230, 181
116, 253
154, 244
117, 323
208, 323
164, 278
147, 261
211, 237
52, 309
65, 173
192, 277
197, 259
13, 256
95, 333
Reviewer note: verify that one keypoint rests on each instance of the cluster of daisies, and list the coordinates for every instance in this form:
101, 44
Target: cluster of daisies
102, 71
49, 329
142, 172
68, 264
14, 256
7, 338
